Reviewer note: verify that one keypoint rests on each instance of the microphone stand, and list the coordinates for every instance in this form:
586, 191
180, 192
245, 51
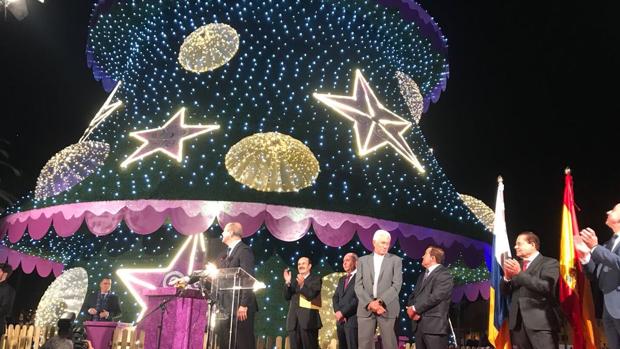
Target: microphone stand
162, 307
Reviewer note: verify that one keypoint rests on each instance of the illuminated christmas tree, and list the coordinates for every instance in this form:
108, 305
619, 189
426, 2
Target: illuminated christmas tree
300, 119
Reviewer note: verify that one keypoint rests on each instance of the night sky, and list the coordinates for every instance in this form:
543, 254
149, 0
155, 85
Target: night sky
532, 90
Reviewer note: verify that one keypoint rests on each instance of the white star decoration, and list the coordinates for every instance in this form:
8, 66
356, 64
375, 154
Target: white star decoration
374, 125
106, 110
167, 139
140, 280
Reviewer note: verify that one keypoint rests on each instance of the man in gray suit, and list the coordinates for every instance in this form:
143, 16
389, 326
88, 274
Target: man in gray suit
377, 285
603, 262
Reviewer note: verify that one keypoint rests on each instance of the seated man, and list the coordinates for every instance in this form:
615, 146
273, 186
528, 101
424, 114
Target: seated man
103, 305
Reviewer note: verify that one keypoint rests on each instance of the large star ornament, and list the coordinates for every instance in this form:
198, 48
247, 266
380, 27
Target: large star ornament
374, 125
167, 139
186, 260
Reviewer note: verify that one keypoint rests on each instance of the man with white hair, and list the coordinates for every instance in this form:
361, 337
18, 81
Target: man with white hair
377, 285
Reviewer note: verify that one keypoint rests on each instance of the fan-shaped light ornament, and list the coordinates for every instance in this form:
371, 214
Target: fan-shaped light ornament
411, 93
328, 333
65, 294
69, 167
484, 213
209, 47
272, 162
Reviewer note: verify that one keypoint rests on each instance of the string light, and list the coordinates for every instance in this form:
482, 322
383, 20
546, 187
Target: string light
328, 331
209, 47
65, 294
484, 213
411, 93
69, 167
272, 162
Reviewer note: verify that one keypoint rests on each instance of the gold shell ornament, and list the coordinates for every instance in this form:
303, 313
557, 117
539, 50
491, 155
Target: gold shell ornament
209, 47
272, 162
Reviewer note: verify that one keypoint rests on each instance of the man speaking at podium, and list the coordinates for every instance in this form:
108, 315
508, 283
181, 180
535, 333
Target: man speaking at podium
237, 255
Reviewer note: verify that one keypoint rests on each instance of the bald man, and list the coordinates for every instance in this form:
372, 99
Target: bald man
304, 295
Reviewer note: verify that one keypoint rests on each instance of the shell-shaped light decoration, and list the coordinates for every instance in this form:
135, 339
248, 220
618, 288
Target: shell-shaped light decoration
272, 162
65, 294
484, 213
328, 334
411, 93
69, 167
209, 47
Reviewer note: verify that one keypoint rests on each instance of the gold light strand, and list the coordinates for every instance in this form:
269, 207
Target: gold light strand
411, 93
483, 212
69, 167
65, 294
209, 47
328, 332
272, 162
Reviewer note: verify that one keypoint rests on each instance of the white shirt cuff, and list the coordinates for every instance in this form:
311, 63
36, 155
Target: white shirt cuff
586, 259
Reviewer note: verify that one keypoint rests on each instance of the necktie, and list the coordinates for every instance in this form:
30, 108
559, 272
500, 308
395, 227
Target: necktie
426, 274
346, 280
525, 264
228, 250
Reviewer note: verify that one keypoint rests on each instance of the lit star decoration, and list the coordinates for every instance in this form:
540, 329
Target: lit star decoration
106, 110
167, 139
374, 125
138, 280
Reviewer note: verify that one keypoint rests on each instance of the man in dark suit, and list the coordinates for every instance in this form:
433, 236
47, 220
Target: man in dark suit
7, 295
344, 302
603, 263
377, 285
103, 305
532, 284
240, 255
429, 303
303, 321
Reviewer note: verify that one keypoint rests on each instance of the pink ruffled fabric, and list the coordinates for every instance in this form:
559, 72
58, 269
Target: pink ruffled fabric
191, 217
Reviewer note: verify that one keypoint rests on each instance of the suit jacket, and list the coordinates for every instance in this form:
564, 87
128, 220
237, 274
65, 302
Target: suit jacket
345, 301
241, 257
431, 298
110, 304
388, 286
306, 319
534, 295
604, 265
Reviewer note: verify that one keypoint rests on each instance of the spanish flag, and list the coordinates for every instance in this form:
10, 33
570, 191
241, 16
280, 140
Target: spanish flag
575, 293
499, 334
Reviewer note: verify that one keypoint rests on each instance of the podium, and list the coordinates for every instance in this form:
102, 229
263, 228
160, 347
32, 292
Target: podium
183, 319
227, 286
100, 333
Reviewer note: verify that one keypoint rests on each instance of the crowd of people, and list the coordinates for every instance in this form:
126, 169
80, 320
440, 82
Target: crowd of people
367, 297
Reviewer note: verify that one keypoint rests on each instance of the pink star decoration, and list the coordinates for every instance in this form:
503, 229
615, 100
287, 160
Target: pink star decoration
186, 260
374, 125
167, 139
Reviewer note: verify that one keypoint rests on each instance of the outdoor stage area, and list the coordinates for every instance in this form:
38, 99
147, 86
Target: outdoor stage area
298, 119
